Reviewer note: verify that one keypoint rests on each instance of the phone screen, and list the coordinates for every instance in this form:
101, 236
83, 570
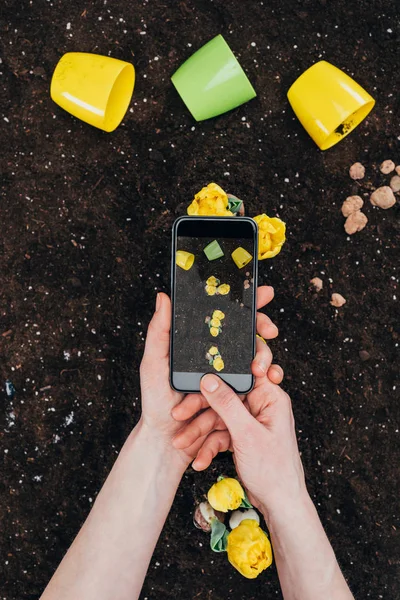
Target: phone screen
214, 279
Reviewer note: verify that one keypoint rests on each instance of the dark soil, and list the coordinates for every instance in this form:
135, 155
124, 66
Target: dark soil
85, 236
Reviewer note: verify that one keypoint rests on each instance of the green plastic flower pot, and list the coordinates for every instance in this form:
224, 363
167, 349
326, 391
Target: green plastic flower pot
211, 81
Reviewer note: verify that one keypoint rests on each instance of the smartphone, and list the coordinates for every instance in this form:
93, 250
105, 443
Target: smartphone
214, 284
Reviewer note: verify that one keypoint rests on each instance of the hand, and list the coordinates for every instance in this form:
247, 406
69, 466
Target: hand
159, 399
261, 434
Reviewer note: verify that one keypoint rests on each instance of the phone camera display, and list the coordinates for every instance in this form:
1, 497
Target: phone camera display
214, 294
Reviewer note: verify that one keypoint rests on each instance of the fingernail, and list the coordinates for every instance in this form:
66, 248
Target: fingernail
278, 371
158, 302
210, 383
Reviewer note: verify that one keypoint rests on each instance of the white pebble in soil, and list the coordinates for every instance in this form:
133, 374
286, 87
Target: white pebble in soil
352, 204
337, 300
387, 167
317, 283
383, 197
355, 222
357, 171
395, 183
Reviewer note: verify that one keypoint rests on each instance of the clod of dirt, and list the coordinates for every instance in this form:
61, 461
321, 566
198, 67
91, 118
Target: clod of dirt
357, 171
351, 205
395, 183
364, 355
337, 300
383, 197
355, 222
387, 167
317, 283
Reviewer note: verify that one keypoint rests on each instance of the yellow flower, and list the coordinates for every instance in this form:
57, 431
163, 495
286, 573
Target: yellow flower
211, 290
215, 322
226, 494
211, 200
218, 314
224, 289
214, 331
212, 281
271, 236
249, 549
218, 364
213, 350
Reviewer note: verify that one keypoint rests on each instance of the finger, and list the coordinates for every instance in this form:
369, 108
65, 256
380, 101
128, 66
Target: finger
265, 327
227, 405
217, 441
275, 374
190, 405
200, 426
265, 293
157, 340
262, 360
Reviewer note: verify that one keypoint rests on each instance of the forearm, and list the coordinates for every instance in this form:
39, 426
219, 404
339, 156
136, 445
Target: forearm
305, 560
110, 556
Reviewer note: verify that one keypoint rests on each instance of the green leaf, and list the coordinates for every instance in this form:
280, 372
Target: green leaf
234, 204
219, 536
246, 502
213, 251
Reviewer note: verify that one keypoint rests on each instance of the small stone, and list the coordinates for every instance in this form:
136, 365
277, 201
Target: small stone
395, 183
357, 171
355, 222
383, 197
317, 283
364, 355
246, 284
387, 167
351, 205
397, 169
337, 300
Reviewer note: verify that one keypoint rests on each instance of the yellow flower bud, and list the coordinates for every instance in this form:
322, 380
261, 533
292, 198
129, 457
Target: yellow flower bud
226, 494
271, 236
224, 289
211, 200
213, 350
218, 314
249, 549
212, 281
211, 290
215, 322
214, 331
218, 364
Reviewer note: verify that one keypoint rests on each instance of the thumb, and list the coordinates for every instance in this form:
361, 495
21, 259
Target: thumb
157, 340
227, 405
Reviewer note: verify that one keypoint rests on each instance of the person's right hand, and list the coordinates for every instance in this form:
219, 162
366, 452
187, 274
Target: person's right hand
261, 434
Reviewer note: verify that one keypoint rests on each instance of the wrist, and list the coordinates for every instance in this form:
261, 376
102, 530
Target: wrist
158, 448
288, 511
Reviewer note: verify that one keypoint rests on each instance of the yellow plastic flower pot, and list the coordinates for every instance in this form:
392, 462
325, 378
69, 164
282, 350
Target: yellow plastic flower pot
96, 89
328, 103
184, 259
241, 257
